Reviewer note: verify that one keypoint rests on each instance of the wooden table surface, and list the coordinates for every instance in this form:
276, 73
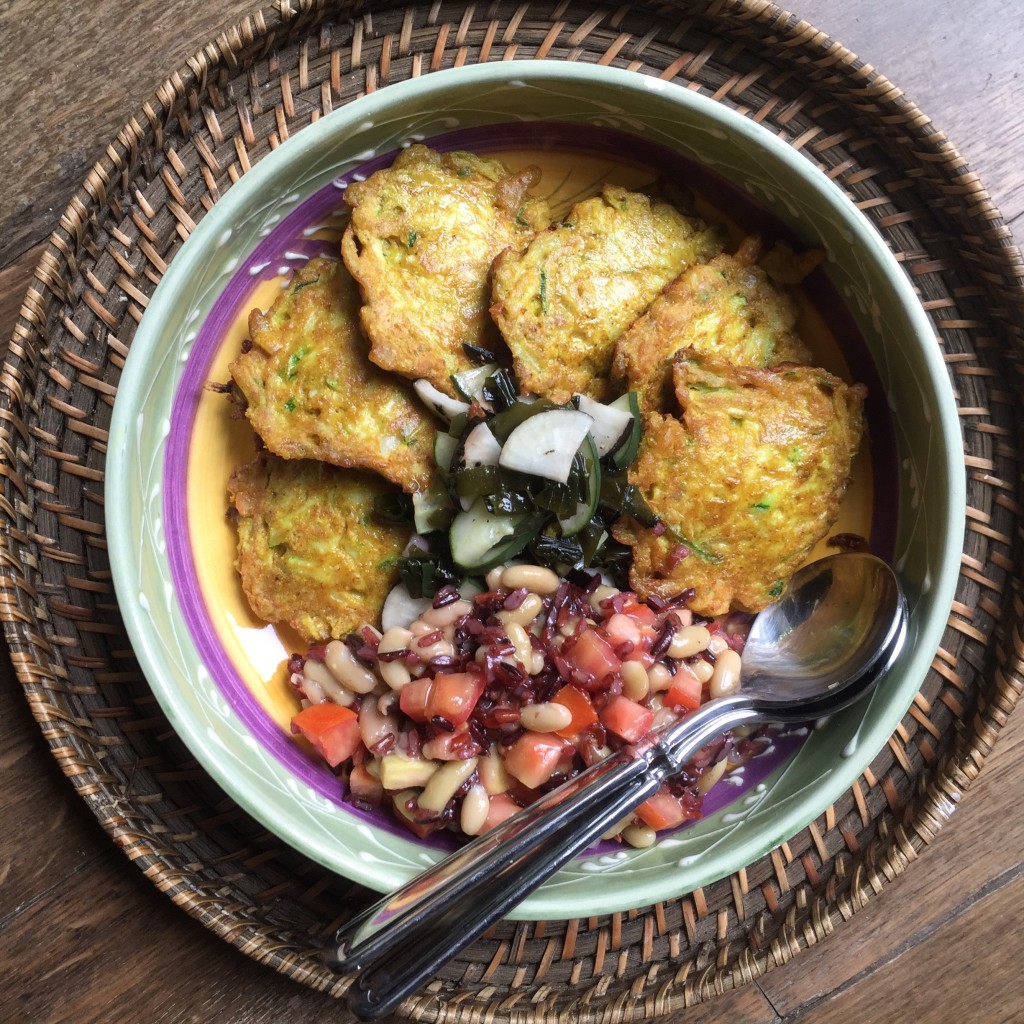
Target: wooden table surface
85, 937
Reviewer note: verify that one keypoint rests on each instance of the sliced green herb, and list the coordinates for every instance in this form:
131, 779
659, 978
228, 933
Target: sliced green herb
305, 284
293, 363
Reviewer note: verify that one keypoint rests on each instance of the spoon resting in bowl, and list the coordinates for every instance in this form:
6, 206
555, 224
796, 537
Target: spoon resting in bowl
834, 634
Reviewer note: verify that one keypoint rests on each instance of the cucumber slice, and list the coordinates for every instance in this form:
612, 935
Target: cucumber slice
470, 383
438, 402
612, 423
431, 509
625, 451
444, 451
480, 540
545, 444
585, 509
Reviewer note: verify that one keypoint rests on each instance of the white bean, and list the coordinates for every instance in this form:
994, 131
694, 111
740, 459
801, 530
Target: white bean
373, 726
476, 805
438, 649
535, 578
602, 593
639, 836
717, 644
395, 639
520, 640
664, 718
688, 641
444, 784
548, 717
321, 678
726, 676
702, 669
659, 677
346, 668
387, 703
635, 684
493, 775
525, 613
493, 578
394, 673
616, 830
447, 614
711, 775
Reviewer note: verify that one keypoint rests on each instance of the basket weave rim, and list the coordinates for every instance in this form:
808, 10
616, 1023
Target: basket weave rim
195, 73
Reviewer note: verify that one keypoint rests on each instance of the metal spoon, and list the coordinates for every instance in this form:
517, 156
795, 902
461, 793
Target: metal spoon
836, 632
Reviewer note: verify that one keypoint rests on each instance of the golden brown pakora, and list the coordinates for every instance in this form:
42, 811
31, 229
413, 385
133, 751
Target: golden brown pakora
311, 553
745, 483
562, 302
728, 308
421, 241
312, 393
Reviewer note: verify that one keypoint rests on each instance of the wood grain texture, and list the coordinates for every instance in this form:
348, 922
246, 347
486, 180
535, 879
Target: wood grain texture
85, 937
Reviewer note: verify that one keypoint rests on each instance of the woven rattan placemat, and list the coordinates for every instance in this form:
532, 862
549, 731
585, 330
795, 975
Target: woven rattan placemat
247, 91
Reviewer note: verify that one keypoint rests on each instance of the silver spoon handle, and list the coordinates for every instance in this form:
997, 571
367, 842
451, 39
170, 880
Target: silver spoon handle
398, 943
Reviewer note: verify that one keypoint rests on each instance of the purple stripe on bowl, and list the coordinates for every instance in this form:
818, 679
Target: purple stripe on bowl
287, 246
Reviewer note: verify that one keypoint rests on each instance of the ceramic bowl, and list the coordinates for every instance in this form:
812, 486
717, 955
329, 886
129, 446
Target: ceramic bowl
209, 662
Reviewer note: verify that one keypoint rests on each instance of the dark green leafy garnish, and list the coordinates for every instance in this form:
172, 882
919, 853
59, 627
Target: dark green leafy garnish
424, 573
394, 507
501, 390
478, 355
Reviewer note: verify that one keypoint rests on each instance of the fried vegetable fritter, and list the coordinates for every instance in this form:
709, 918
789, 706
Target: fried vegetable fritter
563, 302
423, 235
726, 308
745, 483
310, 551
312, 393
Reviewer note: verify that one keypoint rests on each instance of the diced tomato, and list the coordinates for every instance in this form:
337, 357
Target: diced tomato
685, 690
413, 697
662, 811
332, 729
591, 654
622, 629
502, 807
533, 758
451, 697
626, 718
403, 804
580, 707
364, 787
641, 612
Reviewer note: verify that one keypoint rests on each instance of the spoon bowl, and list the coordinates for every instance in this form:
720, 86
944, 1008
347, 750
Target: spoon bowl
841, 623
823, 646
